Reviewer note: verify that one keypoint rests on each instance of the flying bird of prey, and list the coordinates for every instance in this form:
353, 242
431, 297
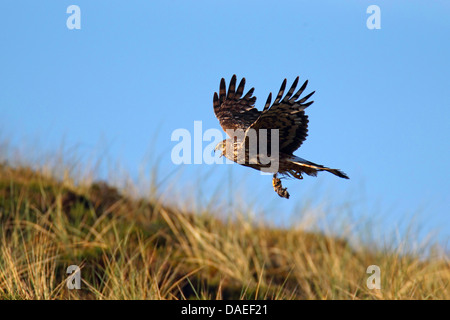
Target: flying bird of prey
237, 111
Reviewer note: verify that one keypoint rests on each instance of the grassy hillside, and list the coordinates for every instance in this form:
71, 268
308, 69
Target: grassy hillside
142, 249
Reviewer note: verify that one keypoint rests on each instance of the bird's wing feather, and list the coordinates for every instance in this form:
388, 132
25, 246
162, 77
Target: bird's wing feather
233, 110
288, 116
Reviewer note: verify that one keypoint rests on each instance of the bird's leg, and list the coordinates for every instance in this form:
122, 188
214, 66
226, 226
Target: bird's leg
298, 175
277, 186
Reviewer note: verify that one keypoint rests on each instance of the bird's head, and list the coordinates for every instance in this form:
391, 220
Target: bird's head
221, 147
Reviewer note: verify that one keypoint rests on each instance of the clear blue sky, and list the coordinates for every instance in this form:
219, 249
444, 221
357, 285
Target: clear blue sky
382, 102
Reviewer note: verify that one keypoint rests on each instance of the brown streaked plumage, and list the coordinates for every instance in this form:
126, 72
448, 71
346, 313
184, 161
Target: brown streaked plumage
287, 115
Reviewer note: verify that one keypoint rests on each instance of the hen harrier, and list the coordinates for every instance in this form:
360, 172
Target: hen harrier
236, 111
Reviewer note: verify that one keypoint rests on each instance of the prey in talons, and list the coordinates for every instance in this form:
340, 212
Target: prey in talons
278, 187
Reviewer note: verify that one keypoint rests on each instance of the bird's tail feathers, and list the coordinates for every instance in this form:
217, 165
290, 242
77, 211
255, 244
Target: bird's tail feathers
311, 168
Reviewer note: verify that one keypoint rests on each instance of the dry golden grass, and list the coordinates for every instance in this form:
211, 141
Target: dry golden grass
131, 248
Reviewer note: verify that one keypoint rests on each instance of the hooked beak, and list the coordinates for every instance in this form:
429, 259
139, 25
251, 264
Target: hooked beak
216, 149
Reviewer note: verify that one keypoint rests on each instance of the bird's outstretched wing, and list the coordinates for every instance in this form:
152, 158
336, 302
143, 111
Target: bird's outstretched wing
287, 115
233, 110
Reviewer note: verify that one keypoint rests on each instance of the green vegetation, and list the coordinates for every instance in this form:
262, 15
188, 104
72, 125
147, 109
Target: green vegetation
131, 248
